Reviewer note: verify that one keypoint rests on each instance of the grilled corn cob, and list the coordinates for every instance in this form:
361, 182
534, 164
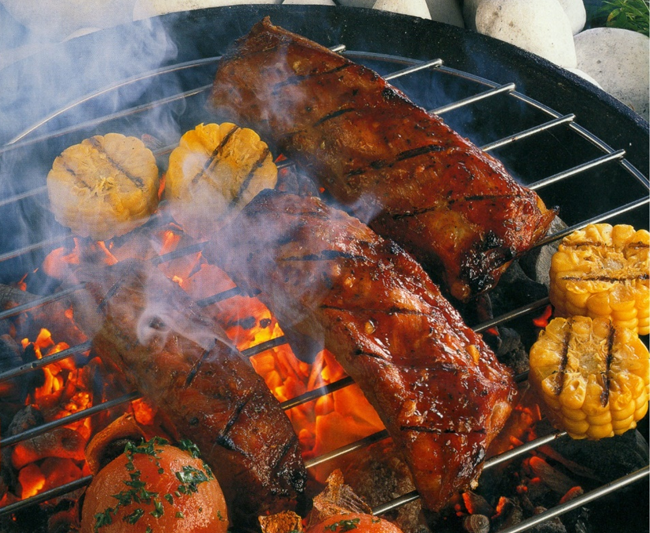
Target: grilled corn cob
105, 186
592, 375
214, 172
602, 271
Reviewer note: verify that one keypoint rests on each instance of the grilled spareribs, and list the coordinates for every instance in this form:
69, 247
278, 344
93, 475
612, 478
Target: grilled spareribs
150, 329
392, 164
438, 388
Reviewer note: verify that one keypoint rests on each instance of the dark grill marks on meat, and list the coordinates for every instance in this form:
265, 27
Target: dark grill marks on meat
380, 155
296, 80
207, 390
437, 387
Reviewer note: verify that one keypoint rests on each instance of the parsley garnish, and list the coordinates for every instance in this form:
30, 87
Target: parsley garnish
188, 446
190, 478
158, 509
104, 519
344, 525
134, 516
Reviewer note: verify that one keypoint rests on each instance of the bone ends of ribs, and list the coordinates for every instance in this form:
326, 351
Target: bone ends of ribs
438, 388
393, 165
152, 331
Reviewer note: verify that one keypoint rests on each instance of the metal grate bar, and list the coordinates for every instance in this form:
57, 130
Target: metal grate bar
29, 194
472, 99
79, 415
613, 156
516, 313
579, 501
47, 360
314, 394
46, 495
39, 301
116, 86
595, 220
528, 133
490, 463
344, 450
33, 247
415, 68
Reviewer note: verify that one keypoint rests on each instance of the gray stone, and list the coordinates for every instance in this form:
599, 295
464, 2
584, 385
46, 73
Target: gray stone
447, 11
469, 13
415, 8
585, 76
310, 2
618, 60
539, 26
576, 13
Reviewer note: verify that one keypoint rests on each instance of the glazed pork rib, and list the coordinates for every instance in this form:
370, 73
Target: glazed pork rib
393, 165
152, 331
438, 388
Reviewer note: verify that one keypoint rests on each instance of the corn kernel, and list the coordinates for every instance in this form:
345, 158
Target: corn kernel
602, 270
214, 172
594, 376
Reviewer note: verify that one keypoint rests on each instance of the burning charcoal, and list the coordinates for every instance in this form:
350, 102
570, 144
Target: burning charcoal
515, 290
537, 263
11, 296
509, 513
25, 419
553, 525
477, 504
611, 458
511, 351
550, 476
60, 442
14, 390
476, 523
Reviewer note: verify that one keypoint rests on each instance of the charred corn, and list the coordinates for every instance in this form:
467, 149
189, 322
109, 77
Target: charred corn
602, 271
592, 375
105, 186
214, 172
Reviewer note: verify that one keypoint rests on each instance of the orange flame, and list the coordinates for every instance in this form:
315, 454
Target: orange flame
542, 320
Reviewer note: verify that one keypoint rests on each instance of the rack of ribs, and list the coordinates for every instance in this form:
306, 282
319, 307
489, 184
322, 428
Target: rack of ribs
154, 333
389, 162
436, 385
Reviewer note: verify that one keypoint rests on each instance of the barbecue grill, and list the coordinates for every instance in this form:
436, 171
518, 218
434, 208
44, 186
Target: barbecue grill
577, 147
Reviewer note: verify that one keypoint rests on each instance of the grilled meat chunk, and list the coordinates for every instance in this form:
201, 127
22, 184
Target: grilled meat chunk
393, 165
438, 388
154, 333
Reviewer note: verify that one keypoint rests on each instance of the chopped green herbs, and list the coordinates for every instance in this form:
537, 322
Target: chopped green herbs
188, 446
190, 478
134, 516
344, 525
158, 509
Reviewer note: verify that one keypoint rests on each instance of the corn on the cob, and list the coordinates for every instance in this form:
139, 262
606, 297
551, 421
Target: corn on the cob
105, 186
592, 375
602, 271
214, 172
